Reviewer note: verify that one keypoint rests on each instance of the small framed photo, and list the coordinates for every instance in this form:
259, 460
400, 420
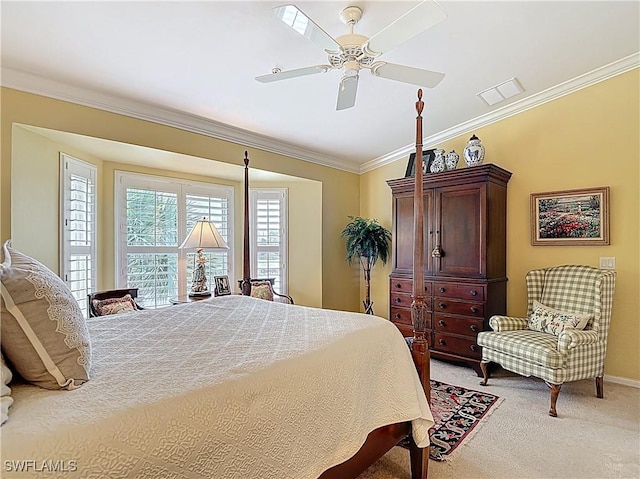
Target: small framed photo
571, 217
222, 287
427, 158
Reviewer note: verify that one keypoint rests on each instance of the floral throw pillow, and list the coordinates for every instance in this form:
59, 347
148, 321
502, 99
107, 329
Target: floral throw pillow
549, 320
106, 307
262, 290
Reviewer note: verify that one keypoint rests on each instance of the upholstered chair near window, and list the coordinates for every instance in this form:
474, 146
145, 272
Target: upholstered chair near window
113, 301
263, 289
564, 336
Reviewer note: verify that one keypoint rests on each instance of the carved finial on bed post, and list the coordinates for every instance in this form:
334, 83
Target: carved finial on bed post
245, 284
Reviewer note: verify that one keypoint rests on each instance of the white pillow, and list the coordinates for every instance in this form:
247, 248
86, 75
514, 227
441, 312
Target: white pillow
549, 320
5, 397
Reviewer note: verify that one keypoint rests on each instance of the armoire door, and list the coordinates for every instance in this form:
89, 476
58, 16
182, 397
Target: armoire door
402, 261
460, 222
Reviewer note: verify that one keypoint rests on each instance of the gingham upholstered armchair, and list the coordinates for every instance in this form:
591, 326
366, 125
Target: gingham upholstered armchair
565, 356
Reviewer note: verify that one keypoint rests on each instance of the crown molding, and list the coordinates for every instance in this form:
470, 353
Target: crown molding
600, 74
38, 85
30, 83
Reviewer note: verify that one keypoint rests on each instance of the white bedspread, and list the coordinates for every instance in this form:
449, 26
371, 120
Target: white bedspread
235, 387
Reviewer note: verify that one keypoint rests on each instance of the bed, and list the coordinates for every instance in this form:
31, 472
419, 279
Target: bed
234, 387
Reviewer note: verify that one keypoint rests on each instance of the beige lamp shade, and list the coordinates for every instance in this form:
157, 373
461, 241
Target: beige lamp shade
204, 235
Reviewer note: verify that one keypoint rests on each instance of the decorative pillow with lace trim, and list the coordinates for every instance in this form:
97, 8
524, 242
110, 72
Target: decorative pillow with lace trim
262, 290
105, 307
44, 333
549, 320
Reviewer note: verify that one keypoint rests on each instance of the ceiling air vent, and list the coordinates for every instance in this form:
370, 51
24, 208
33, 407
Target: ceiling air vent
501, 92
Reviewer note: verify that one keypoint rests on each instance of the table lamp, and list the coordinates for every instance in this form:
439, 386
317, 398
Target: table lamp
203, 235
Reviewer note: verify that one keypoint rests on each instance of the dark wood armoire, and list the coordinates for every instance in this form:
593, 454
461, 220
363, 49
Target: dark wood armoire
465, 257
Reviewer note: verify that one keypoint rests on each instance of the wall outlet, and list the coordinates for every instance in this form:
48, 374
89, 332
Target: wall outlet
607, 262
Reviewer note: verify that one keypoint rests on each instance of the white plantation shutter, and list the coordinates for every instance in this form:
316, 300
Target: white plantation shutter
151, 243
154, 216
269, 236
78, 231
216, 210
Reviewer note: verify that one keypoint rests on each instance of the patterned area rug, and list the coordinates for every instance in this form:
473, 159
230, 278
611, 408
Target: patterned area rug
456, 411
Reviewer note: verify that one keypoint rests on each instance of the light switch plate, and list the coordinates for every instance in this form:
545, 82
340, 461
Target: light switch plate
607, 262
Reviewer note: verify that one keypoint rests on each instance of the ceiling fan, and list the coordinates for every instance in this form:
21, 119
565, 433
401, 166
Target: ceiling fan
353, 52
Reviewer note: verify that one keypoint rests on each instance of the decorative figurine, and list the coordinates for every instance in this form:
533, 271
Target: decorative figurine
199, 284
474, 152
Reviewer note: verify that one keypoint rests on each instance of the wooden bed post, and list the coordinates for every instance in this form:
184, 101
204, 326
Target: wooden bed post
419, 346
245, 284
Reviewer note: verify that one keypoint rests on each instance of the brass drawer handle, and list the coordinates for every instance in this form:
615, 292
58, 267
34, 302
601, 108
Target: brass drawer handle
398, 316
474, 309
442, 305
473, 348
474, 292
442, 290
441, 342
474, 328
398, 300
441, 323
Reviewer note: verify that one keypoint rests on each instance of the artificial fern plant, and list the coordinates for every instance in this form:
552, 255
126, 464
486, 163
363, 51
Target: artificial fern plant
367, 241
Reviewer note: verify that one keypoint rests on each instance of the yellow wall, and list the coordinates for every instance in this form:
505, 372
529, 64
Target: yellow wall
339, 195
589, 138
304, 241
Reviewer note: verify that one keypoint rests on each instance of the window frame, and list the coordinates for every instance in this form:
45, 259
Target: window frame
281, 194
182, 188
70, 165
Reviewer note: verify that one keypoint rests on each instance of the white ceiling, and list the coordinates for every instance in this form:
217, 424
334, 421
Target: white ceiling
192, 64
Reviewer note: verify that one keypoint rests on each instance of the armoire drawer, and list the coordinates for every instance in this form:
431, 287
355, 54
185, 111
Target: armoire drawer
452, 344
406, 286
474, 292
403, 300
403, 316
464, 308
454, 325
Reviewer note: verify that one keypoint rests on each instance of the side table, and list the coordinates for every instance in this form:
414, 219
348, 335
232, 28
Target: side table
185, 298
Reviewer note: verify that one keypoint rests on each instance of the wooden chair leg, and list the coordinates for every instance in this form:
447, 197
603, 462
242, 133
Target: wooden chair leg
555, 390
599, 387
419, 460
484, 365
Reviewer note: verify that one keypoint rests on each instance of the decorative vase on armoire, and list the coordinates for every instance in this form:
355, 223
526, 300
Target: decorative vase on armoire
474, 152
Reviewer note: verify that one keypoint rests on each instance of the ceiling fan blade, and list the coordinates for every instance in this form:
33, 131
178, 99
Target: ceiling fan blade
347, 92
294, 18
415, 21
298, 72
405, 74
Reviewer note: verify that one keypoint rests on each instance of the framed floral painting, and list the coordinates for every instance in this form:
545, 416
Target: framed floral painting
571, 217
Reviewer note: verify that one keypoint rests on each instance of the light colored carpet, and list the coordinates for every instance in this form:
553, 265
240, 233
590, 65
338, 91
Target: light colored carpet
590, 438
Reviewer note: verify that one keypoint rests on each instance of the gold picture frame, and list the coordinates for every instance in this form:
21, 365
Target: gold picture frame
570, 217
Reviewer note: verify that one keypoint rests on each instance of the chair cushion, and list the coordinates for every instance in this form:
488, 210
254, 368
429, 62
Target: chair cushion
550, 320
44, 333
262, 290
109, 306
531, 346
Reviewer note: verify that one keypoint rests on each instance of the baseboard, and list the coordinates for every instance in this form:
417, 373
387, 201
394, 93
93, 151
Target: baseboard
625, 381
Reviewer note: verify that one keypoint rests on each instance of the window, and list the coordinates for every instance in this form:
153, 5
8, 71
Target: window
269, 236
78, 231
154, 215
